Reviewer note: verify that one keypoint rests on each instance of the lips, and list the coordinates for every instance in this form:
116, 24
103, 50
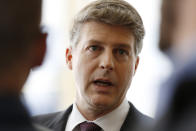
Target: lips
103, 82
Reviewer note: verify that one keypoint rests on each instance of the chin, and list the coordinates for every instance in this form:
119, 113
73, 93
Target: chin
102, 103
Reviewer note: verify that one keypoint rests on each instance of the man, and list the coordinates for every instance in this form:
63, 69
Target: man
22, 47
177, 104
106, 39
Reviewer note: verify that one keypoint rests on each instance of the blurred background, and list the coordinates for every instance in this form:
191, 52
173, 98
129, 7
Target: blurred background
50, 87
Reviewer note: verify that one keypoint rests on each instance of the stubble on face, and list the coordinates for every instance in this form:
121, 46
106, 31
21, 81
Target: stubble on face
99, 91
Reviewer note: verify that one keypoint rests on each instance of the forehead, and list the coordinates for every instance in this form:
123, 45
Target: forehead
105, 34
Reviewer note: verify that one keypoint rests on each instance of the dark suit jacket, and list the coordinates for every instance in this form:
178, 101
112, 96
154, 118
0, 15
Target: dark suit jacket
14, 117
181, 112
57, 121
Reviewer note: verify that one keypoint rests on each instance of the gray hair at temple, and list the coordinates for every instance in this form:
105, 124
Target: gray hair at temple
19, 26
113, 12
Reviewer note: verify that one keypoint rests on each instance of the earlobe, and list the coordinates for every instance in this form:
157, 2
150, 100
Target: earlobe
136, 64
69, 57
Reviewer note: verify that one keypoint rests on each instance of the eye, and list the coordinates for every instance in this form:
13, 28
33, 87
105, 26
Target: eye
122, 52
94, 48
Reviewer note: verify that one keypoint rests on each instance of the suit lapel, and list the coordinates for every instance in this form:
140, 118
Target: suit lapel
61, 120
136, 121
130, 120
131, 123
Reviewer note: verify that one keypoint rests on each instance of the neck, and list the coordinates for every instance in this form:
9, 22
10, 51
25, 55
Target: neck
10, 85
90, 114
11, 82
93, 112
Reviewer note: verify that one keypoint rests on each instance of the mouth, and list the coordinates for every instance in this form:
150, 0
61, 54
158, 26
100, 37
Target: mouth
103, 83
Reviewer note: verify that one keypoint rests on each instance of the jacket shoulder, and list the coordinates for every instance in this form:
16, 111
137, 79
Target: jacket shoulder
53, 120
40, 128
48, 120
136, 120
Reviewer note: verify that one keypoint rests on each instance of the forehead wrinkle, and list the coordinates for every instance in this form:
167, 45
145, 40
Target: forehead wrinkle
90, 35
94, 41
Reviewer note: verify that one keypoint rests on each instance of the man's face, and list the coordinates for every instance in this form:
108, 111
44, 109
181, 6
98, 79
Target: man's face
103, 63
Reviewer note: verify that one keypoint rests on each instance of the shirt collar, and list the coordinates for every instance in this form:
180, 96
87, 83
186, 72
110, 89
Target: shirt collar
109, 122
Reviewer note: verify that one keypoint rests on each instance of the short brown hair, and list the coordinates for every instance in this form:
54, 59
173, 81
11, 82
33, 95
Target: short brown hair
113, 12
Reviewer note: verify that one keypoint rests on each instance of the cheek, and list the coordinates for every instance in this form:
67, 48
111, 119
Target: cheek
125, 74
126, 69
77, 70
83, 70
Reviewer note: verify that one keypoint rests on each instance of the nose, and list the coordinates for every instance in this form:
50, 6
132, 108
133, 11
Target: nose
107, 61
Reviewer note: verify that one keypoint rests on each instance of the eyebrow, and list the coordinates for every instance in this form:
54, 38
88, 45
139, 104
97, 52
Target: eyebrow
95, 42
127, 46
122, 45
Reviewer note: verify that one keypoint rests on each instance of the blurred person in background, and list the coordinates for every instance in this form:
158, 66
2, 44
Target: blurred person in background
106, 38
177, 103
22, 47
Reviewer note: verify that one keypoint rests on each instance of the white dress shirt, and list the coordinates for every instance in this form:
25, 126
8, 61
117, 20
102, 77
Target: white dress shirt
109, 122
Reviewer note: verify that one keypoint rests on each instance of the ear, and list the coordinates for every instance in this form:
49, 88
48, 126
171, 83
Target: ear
68, 56
39, 50
136, 63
